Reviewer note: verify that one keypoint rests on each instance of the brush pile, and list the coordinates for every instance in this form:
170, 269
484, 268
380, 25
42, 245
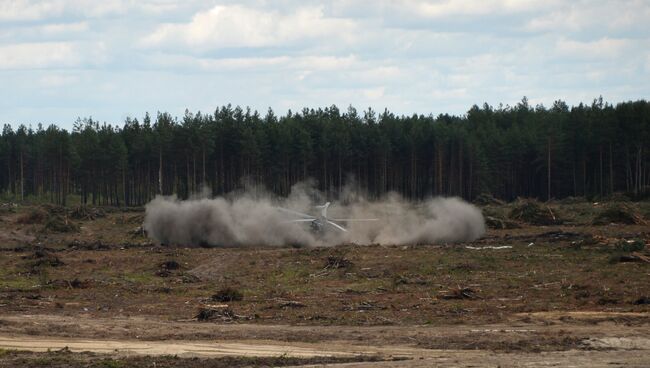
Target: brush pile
486, 199
87, 213
532, 212
619, 214
495, 222
35, 216
228, 294
60, 224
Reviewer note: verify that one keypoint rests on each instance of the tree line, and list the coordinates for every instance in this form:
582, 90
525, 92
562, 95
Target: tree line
508, 151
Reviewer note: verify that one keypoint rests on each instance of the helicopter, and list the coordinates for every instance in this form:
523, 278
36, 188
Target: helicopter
321, 222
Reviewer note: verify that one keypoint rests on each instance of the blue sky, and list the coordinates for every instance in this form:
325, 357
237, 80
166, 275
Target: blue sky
115, 58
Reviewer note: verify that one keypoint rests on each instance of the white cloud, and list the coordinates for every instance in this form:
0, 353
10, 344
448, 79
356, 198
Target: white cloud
35, 10
601, 16
257, 64
19, 10
602, 48
239, 26
63, 28
51, 55
38, 55
446, 8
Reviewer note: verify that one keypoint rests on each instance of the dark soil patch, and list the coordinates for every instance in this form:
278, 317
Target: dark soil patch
644, 300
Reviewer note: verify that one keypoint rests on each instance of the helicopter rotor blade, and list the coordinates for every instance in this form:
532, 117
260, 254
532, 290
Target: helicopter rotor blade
337, 226
352, 220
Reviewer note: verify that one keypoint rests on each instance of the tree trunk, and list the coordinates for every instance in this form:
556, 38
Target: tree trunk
548, 189
160, 172
611, 169
203, 155
600, 152
22, 178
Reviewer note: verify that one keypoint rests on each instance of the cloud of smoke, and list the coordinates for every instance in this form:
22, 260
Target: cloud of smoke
251, 219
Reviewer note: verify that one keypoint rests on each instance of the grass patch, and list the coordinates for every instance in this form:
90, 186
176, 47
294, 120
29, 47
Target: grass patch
140, 278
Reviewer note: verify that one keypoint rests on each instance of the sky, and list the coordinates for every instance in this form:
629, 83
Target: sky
112, 59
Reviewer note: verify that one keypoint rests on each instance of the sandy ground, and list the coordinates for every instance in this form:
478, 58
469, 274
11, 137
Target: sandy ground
412, 357
602, 344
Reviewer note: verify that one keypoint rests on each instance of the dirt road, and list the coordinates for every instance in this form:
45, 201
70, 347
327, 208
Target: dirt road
545, 341
200, 348
413, 357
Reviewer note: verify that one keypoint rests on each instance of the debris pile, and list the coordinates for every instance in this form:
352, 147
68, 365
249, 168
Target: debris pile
619, 214
8, 207
170, 265
571, 200
368, 305
284, 304
42, 258
336, 262
630, 245
618, 197
486, 199
211, 313
60, 224
34, 216
228, 294
87, 213
219, 312
494, 222
629, 250
460, 293
71, 284
167, 267
88, 245
634, 257
532, 212
54, 209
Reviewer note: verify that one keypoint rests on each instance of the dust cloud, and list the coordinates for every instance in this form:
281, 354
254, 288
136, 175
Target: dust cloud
252, 218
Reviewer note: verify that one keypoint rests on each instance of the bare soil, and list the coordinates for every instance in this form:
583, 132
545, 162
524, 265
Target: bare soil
538, 294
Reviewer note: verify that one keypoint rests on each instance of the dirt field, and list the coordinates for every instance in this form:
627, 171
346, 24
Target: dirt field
574, 293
